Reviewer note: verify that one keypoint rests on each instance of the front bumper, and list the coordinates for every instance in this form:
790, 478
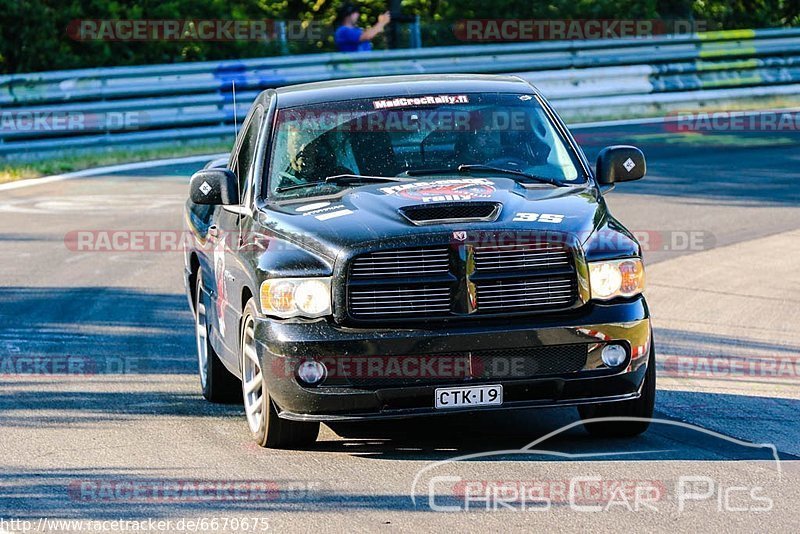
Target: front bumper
283, 345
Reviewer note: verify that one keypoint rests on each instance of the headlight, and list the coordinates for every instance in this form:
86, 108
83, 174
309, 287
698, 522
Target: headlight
293, 297
618, 278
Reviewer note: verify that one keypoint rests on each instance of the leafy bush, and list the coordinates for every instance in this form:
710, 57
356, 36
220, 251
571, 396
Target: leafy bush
33, 34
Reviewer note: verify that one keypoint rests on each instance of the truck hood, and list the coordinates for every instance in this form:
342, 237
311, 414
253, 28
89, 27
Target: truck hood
375, 212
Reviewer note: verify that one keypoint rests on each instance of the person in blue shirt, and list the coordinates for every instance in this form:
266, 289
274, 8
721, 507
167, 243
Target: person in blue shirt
351, 38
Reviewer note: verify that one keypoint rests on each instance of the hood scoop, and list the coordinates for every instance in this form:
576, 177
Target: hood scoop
452, 212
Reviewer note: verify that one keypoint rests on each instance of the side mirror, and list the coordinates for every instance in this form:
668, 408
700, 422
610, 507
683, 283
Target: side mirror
214, 186
219, 163
620, 163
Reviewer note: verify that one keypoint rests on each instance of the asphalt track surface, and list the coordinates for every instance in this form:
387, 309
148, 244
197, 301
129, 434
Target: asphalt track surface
124, 434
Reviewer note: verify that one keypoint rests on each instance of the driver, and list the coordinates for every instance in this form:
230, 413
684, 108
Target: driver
313, 161
527, 147
479, 146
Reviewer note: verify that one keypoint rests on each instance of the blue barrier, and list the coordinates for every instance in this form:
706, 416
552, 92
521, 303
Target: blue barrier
189, 101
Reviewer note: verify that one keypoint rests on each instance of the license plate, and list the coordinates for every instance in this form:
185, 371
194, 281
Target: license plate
465, 397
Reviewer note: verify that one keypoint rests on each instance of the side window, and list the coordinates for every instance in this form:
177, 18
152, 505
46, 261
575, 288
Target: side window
244, 158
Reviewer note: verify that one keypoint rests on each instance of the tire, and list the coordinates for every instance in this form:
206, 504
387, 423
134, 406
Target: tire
641, 408
216, 382
267, 429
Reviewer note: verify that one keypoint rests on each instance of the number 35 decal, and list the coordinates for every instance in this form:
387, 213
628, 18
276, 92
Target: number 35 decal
524, 216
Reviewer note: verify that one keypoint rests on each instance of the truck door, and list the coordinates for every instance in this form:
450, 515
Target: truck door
230, 274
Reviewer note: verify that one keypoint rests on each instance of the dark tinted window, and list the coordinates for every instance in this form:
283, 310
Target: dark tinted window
390, 137
244, 158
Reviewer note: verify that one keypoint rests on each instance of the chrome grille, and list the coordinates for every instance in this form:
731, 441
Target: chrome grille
521, 256
400, 301
521, 295
407, 262
474, 367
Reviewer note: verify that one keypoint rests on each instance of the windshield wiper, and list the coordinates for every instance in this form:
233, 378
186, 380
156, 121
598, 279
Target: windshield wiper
425, 172
489, 168
341, 179
467, 168
355, 178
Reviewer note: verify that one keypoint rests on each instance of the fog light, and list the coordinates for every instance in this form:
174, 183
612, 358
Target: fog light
614, 355
311, 373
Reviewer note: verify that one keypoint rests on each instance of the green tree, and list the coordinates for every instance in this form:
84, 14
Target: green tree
33, 33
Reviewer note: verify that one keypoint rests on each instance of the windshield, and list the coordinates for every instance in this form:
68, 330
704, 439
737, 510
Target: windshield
423, 135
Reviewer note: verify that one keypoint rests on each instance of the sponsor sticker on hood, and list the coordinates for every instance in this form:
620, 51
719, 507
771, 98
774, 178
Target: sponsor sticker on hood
443, 190
322, 211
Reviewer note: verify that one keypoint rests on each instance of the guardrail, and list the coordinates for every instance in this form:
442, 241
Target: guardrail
67, 110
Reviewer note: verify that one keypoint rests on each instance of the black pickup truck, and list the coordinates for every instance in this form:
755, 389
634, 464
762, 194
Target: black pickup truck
415, 245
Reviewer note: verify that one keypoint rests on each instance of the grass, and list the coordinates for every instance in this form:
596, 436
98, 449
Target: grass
11, 171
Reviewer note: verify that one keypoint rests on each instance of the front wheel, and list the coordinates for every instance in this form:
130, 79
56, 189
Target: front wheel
638, 412
267, 428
